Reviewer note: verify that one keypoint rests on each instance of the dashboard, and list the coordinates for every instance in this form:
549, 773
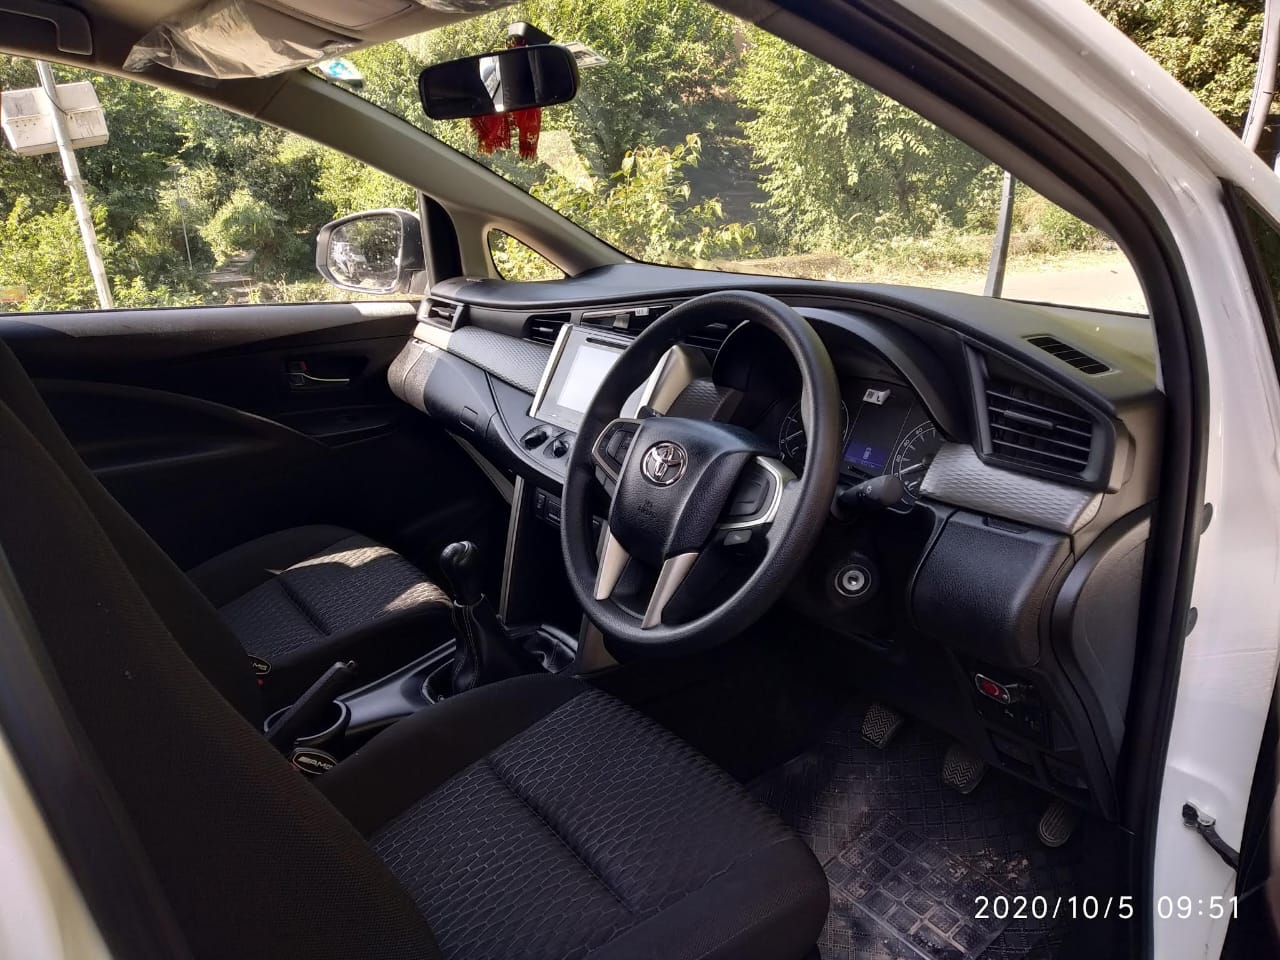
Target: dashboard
1027, 440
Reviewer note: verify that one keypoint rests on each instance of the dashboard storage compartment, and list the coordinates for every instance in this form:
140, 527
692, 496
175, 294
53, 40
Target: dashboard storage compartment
983, 586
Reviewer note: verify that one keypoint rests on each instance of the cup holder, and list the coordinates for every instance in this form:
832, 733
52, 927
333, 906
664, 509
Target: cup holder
329, 726
439, 682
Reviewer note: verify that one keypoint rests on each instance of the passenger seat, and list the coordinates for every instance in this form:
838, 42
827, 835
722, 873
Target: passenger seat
300, 599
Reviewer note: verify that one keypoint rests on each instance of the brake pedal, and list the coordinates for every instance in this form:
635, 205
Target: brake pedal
962, 770
880, 725
1058, 823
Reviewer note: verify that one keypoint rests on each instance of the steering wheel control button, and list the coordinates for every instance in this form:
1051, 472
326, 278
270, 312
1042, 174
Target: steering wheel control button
852, 580
610, 449
664, 463
736, 538
749, 498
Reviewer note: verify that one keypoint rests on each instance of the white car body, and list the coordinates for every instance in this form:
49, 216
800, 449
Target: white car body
1066, 54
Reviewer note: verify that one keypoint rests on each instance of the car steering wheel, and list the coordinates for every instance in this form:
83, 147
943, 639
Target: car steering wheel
697, 505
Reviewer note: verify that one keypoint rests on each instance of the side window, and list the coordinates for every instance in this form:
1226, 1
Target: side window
1055, 257
518, 261
191, 205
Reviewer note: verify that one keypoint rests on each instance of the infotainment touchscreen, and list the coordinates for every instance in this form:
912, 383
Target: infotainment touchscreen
581, 358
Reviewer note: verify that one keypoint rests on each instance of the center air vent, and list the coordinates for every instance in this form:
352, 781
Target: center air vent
544, 328
1034, 428
711, 337
1069, 354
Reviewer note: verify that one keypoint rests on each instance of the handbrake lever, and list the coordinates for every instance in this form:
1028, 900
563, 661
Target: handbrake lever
310, 705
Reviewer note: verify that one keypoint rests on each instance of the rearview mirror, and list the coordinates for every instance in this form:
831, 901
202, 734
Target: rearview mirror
377, 251
515, 79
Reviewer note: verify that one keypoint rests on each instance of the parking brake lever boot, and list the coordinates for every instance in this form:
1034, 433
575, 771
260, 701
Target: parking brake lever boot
485, 652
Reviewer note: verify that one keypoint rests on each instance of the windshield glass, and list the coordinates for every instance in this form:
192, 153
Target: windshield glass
699, 140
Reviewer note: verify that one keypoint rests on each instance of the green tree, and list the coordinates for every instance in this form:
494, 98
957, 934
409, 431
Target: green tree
40, 251
247, 225
843, 165
645, 210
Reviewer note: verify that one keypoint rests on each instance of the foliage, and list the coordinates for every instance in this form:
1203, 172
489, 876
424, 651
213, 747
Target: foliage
246, 225
843, 165
34, 252
518, 261
645, 210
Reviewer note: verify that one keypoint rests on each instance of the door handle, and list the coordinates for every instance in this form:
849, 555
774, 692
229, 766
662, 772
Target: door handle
300, 378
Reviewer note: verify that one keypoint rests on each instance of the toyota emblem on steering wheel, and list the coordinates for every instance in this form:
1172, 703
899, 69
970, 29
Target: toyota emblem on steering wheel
664, 463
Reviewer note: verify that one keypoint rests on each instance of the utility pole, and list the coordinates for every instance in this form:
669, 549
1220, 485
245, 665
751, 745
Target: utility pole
1000, 244
71, 168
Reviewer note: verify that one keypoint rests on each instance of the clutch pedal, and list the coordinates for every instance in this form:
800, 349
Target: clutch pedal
962, 770
880, 725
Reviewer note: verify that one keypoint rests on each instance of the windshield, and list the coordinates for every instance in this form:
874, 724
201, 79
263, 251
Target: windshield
699, 140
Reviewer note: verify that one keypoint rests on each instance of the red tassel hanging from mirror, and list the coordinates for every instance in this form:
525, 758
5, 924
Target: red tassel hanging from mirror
529, 125
492, 133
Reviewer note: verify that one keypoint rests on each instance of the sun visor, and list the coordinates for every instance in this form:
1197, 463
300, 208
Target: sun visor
229, 39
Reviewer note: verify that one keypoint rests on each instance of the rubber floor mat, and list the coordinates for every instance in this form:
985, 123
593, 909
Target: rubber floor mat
840, 791
913, 889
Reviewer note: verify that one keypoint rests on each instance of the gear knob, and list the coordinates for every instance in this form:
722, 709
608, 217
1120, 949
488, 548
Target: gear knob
461, 565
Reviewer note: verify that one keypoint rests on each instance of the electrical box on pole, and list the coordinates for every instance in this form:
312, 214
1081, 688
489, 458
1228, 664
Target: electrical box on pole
27, 117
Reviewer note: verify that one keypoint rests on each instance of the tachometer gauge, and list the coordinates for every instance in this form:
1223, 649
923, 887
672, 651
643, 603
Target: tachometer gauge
912, 458
792, 442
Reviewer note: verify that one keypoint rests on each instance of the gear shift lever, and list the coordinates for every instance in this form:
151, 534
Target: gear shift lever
485, 651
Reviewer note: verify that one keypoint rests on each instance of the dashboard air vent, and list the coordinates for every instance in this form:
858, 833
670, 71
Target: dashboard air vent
544, 328
1069, 354
1037, 429
710, 337
444, 313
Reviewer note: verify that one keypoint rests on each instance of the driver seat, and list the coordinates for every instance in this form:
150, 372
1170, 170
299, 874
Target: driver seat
535, 818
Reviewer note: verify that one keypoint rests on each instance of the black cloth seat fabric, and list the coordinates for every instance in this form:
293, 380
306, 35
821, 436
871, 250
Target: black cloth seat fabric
542, 819
532, 818
304, 597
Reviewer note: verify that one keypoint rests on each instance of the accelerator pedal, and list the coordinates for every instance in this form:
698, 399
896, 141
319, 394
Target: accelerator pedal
1058, 823
962, 770
880, 725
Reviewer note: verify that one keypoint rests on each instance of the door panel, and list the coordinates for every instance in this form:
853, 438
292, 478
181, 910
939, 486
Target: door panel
214, 425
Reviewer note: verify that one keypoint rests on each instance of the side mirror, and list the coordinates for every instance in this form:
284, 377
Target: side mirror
377, 251
515, 79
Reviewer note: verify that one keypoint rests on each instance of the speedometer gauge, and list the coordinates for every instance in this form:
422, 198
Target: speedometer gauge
912, 458
792, 442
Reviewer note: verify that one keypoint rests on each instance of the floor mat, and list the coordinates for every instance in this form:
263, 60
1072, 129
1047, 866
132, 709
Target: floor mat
852, 802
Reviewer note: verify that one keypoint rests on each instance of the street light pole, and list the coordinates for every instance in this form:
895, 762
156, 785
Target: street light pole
84, 217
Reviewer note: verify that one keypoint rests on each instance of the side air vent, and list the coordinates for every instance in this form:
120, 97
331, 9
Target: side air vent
1034, 428
443, 313
544, 328
1068, 354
